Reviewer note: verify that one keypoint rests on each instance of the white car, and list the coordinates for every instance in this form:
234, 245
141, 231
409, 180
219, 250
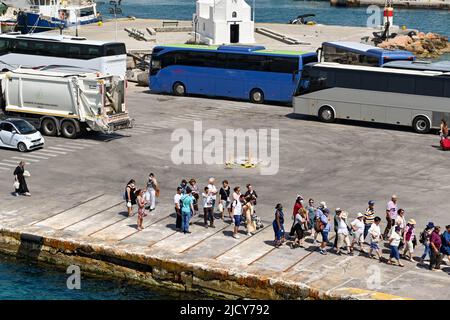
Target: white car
20, 134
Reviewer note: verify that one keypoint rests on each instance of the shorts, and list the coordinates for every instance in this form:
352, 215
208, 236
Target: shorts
237, 220
358, 237
394, 252
374, 246
324, 236
226, 204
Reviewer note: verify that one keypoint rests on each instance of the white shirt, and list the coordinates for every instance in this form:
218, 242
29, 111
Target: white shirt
212, 188
237, 208
401, 222
176, 199
358, 225
342, 227
375, 233
395, 237
207, 200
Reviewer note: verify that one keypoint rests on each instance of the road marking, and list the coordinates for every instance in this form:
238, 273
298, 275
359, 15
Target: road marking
45, 153
13, 161
59, 149
69, 148
52, 153
4, 168
8, 164
33, 156
74, 144
26, 158
89, 142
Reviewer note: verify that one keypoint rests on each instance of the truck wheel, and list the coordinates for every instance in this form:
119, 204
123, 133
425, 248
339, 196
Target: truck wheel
257, 96
421, 124
326, 114
69, 130
48, 127
22, 147
179, 89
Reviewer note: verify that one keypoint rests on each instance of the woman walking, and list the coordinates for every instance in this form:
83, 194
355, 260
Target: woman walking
408, 239
248, 211
343, 235
358, 232
237, 213
311, 218
19, 176
195, 194
141, 208
278, 225
300, 226
130, 196
394, 241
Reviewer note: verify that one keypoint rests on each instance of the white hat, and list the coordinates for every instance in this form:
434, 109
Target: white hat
359, 215
344, 215
323, 204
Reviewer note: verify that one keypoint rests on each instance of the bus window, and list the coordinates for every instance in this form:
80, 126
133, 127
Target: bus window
283, 65
401, 84
373, 81
4, 46
429, 87
114, 49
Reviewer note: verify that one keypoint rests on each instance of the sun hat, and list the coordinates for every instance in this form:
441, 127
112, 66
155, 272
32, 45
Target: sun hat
299, 197
323, 204
412, 221
338, 210
359, 215
430, 225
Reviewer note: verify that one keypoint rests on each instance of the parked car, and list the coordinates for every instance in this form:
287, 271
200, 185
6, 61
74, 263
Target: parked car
20, 134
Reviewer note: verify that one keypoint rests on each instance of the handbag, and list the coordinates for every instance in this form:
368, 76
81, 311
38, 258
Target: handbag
16, 185
220, 207
129, 204
26, 173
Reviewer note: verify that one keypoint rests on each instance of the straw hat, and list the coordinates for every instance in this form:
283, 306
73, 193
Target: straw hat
412, 221
359, 215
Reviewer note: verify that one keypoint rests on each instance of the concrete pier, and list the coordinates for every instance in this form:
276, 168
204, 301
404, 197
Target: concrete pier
76, 214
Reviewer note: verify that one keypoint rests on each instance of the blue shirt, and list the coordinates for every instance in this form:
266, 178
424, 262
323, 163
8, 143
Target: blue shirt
446, 242
186, 201
324, 220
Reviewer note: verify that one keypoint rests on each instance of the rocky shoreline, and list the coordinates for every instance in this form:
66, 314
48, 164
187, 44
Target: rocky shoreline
423, 45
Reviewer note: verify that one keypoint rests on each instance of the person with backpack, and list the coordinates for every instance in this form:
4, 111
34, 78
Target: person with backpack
187, 207
323, 227
425, 240
336, 220
299, 227
408, 239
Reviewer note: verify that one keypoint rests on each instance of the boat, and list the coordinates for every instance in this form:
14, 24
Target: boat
301, 19
43, 15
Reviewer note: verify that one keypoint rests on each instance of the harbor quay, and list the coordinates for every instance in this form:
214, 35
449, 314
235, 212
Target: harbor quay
407, 4
309, 37
77, 216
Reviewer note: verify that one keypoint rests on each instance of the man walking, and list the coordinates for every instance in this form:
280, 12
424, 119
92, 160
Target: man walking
375, 237
435, 246
369, 215
391, 215
176, 202
187, 207
324, 228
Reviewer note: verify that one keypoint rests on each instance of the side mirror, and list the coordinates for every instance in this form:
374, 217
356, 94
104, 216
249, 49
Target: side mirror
13, 131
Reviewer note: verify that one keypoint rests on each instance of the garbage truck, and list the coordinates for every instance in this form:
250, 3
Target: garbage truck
65, 101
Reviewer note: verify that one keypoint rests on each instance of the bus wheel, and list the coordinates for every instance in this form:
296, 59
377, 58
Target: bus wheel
22, 147
257, 96
326, 114
48, 127
69, 130
179, 89
421, 124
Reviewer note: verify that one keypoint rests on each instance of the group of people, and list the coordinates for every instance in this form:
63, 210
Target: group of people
233, 205
399, 233
144, 198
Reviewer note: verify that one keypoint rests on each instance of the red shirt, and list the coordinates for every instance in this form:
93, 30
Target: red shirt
297, 206
435, 239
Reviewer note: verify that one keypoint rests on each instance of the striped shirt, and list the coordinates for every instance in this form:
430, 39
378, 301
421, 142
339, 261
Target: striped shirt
369, 216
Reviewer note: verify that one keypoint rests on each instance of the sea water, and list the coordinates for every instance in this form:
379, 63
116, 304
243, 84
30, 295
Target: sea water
281, 11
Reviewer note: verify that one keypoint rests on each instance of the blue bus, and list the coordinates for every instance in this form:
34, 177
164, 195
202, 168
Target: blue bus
355, 53
231, 71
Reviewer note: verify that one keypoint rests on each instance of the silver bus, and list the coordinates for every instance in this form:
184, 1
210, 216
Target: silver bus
416, 98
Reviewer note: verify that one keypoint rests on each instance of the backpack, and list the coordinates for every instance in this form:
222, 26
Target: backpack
422, 237
318, 225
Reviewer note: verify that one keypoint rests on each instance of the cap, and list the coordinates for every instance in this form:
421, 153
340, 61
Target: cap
299, 197
371, 203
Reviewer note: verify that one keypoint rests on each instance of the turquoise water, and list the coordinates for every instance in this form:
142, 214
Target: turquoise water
24, 280
283, 10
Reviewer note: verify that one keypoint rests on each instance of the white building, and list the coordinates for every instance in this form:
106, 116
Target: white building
224, 21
